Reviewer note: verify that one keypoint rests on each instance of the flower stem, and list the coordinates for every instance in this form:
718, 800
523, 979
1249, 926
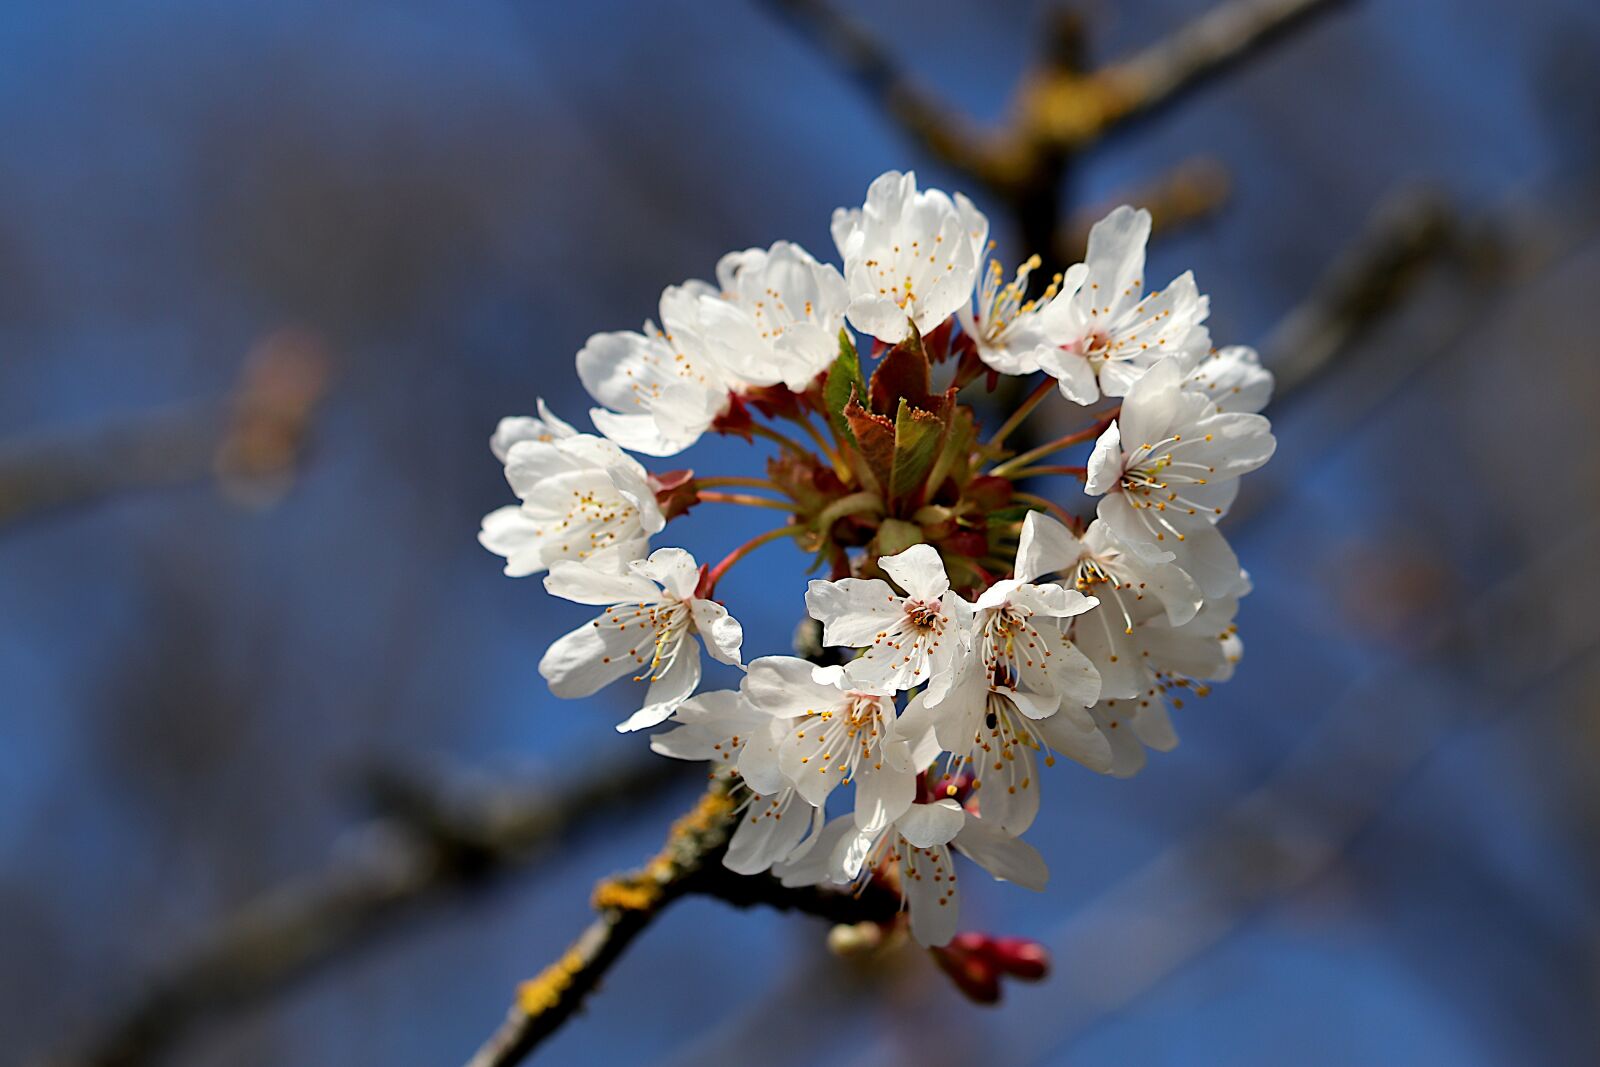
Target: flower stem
745, 549
1024, 409
732, 481
782, 439
1015, 463
1029, 472
854, 504
838, 464
1049, 505
743, 498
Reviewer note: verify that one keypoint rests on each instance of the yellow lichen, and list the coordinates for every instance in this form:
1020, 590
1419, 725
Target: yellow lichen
543, 992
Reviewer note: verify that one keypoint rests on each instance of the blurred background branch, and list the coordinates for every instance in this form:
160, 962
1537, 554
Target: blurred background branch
251, 443
432, 842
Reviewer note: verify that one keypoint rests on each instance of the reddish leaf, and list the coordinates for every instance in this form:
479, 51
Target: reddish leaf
874, 436
675, 492
905, 375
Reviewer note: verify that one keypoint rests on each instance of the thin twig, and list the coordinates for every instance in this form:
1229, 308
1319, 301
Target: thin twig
250, 442
626, 905
1374, 275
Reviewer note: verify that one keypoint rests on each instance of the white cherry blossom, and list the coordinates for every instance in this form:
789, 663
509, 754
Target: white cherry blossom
583, 499
660, 392
1165, 663
733, 734
775, 320
1123, 579
1169, 468
513, 428
907, 640
1107, 330
779, 316
1011, 332
998, 735
834, 735
725, 730
910, 257
1017, 639
771, 830
1233, 379
918, 844
649, 627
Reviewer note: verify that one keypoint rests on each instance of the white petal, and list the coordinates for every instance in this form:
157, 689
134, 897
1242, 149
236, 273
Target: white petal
818, 859
928, 825
1073, 733
768, 831
1127, 754
1009, 797
582, 662
584, 583
807, 760
508, 532
1234, 379
1046, 547
883, 795
783, 687
720, 631
934, 904
758, 763
1206, 555
1151, 405
1115, 255
1074, 376
671, 688
853, 610
1105, 463
672, 569
1153, 726
1009, 859
880, 317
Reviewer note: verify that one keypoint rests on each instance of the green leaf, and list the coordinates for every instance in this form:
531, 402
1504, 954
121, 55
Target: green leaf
895, 536
1014, 513
844, 381
917, 436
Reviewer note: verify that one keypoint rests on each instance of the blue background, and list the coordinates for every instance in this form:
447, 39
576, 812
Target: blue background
1376, 845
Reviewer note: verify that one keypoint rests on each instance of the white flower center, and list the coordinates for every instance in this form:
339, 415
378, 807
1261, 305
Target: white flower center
1099, 577
1011, 642
593, 522
931, 865
664, 629
847, 736
1155, 476
1003, 746
1001, 303
913, 638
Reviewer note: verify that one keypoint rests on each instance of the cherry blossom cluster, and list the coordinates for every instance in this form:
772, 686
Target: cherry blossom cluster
973, 629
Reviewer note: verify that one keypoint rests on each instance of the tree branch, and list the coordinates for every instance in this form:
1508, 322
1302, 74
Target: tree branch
943, 132
688, 863
1073, 113
1061, 107
1191, 192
